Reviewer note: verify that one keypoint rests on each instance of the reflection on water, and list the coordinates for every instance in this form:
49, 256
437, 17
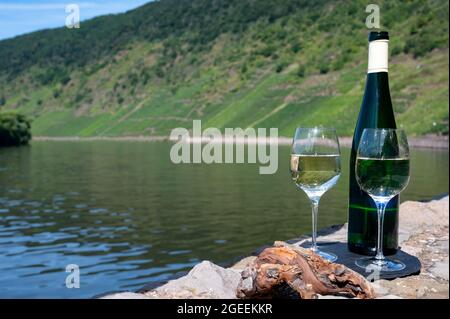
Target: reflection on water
128, 216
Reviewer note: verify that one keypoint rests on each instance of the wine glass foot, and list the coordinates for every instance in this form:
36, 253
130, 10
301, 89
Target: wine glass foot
328, 256
380, 265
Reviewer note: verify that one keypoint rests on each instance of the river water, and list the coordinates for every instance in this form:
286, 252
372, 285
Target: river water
127, 216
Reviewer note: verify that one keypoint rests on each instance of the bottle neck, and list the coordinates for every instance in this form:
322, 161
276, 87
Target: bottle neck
377, 104
378, 56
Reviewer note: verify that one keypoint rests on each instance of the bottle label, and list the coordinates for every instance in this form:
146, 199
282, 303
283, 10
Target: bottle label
378, 56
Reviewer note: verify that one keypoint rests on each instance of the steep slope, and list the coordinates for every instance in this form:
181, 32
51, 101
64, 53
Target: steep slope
272, 63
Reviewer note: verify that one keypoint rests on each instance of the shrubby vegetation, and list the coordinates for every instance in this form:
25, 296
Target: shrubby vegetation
14, 129
191, 26
150, 69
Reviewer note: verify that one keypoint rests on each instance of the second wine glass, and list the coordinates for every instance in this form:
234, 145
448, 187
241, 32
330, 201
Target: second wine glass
382, 170
315, 168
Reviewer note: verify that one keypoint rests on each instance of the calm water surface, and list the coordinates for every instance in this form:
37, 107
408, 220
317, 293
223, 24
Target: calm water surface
128, 216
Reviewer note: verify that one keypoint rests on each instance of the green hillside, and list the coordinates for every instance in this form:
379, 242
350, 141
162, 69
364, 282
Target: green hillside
235, 63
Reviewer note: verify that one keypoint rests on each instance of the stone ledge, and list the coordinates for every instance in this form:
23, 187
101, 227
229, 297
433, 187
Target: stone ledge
424, 233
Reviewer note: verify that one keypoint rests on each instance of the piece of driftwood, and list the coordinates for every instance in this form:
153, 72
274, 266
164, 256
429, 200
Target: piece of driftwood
291, 271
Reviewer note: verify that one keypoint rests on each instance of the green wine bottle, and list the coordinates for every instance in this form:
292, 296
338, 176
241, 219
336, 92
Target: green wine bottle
376, 112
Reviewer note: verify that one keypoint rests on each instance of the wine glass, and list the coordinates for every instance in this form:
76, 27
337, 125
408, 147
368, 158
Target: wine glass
315, 168
382, 171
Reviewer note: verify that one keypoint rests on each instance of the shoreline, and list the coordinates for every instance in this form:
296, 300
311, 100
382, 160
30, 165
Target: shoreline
422, 142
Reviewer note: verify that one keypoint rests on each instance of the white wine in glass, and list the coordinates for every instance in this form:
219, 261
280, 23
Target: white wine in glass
382, 171
315, 167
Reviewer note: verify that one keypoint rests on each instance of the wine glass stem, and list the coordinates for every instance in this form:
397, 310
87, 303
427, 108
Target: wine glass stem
315, 209
381, 206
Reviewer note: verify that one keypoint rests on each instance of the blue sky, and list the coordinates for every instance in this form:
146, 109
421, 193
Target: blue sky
23, 16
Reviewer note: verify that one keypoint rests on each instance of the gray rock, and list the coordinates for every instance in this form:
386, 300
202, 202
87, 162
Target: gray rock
390, 297
205, 280
242, 264
414, 215
424, 233
125, 295
440, 269
331, 297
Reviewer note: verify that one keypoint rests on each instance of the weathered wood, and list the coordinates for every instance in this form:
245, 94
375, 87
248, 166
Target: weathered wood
304, 272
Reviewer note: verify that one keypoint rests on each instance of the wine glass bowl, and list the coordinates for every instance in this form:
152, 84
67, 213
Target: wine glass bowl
315, 167
382, 171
